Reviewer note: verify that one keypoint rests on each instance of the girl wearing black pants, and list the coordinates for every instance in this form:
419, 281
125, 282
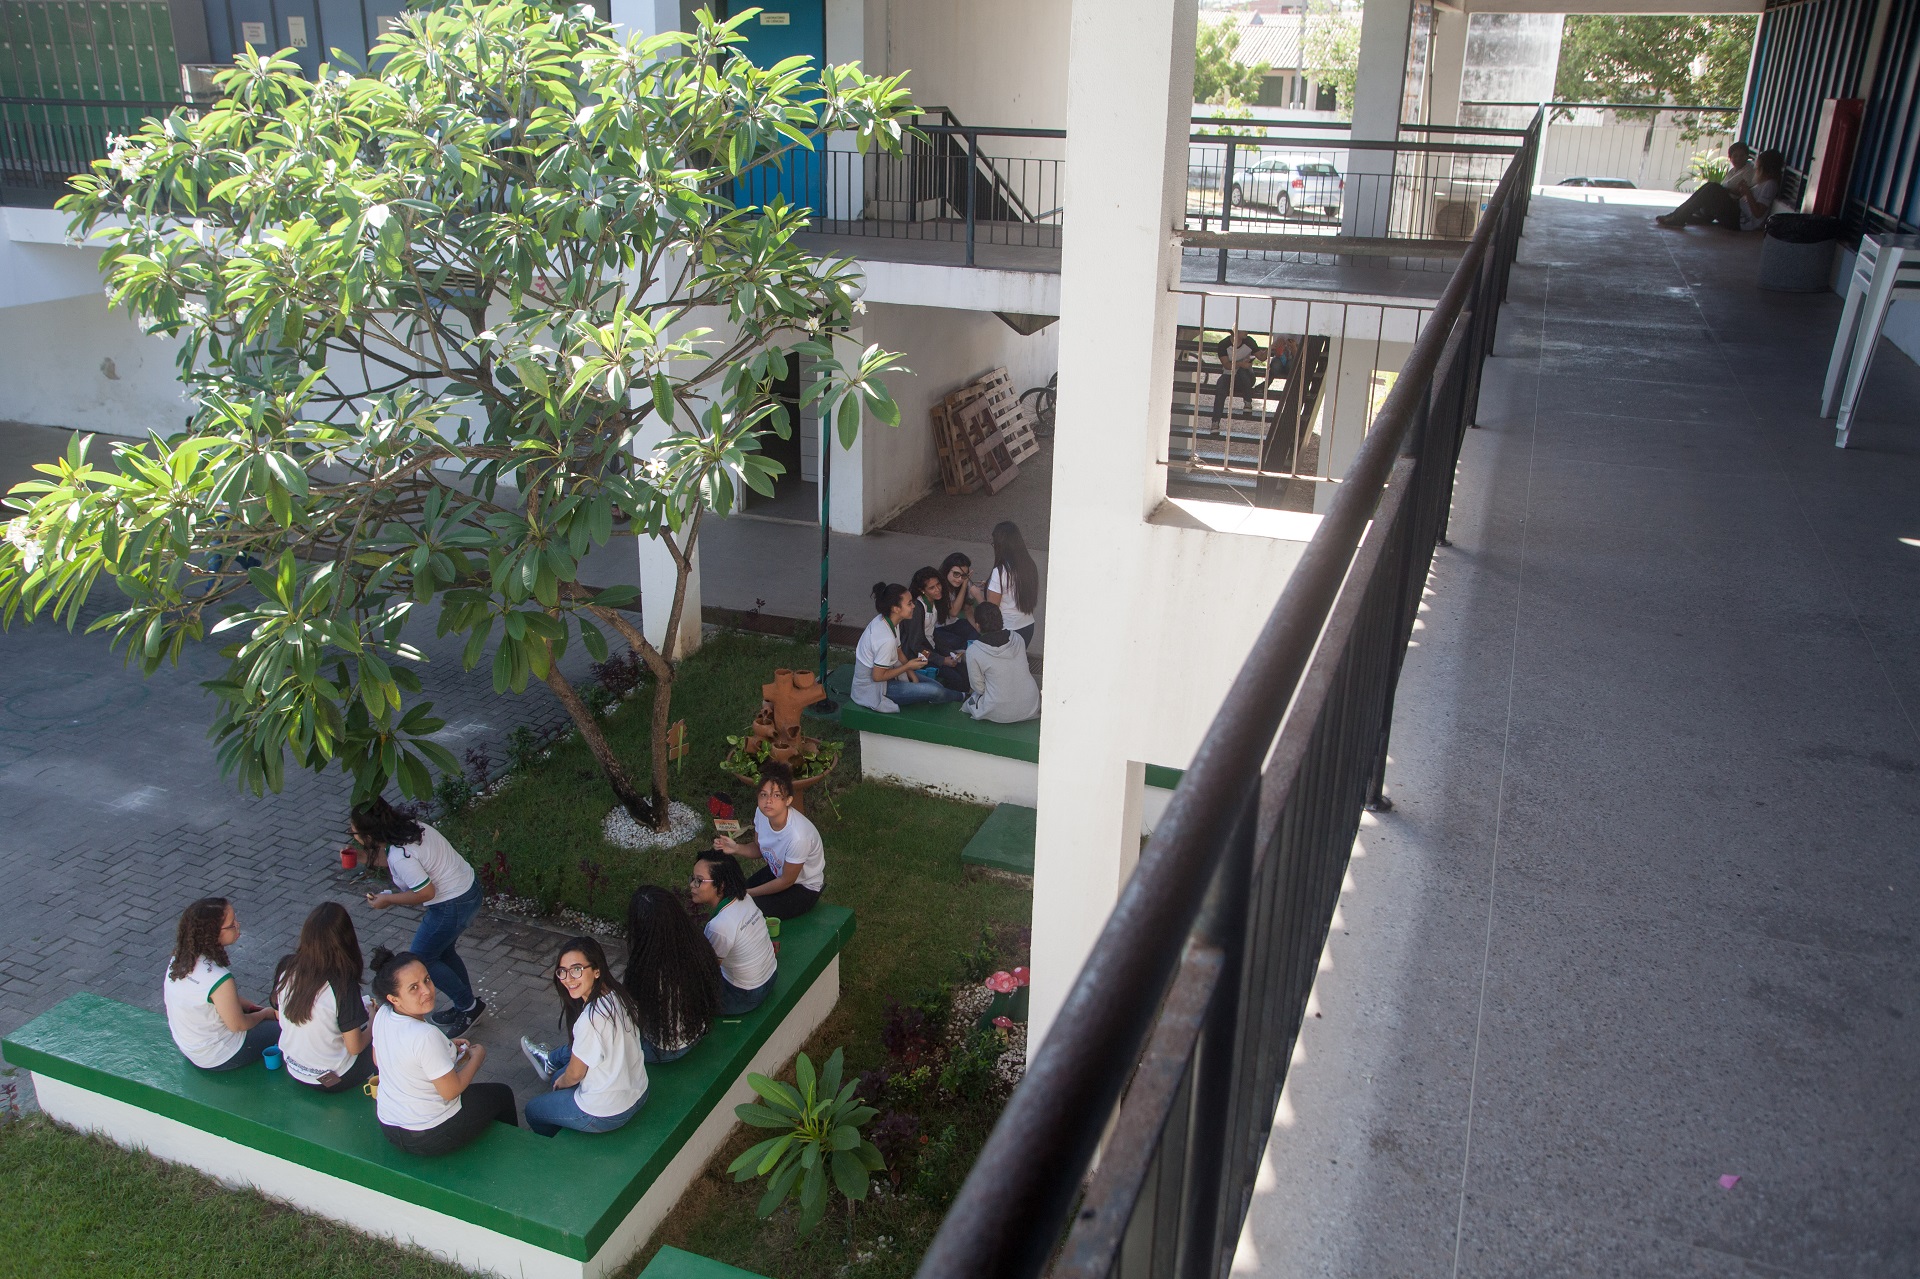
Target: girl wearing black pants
428, 1103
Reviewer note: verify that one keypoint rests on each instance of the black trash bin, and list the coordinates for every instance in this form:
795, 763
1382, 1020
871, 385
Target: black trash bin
1797, 254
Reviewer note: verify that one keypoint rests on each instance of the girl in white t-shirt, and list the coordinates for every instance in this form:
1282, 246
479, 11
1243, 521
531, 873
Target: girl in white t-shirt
325, 1031
428, 1103
213, 1026
884, 679
737, 932
796, 870
672, 974
599, 1079
1015, 582
426, 871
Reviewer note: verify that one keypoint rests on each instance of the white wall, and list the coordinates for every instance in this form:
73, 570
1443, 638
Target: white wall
945, 349
993, 62
77, 364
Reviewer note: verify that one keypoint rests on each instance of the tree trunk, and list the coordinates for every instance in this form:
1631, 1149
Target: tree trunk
662, 710
647, 814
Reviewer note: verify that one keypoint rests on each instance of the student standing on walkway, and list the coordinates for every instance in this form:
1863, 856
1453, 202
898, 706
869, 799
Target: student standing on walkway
796, 870
325, 1032
213, 1026
427, 1103
426, 871
599, 1077
1015, 582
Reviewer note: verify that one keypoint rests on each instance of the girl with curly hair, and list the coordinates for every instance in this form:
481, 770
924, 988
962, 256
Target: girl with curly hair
212, 1024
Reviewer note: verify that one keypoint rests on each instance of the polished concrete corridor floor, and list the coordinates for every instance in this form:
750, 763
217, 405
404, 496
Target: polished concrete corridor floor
1644, 916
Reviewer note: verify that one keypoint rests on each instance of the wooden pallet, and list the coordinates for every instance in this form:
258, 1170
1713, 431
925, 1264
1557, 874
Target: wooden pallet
1010, 414
976, 433
958, 474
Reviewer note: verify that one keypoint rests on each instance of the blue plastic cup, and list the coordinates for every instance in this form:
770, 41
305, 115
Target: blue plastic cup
271, 1056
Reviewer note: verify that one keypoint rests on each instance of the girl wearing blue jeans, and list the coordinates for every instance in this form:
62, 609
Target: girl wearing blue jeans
884, 677
599, 1079
426, 871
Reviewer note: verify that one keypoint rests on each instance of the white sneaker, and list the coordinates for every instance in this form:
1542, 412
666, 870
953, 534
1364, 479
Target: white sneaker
539, 1056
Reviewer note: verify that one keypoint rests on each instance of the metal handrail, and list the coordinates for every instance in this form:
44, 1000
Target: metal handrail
1603, 106
1363, 144
1157, 1008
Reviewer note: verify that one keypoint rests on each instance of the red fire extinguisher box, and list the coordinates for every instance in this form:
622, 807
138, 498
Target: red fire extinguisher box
1833, 146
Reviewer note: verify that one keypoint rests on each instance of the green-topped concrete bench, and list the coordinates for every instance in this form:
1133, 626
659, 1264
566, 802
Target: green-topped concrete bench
573, 1205
671, 1263
942, 748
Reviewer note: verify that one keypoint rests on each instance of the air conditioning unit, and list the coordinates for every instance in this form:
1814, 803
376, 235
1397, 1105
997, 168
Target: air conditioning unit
1455, 219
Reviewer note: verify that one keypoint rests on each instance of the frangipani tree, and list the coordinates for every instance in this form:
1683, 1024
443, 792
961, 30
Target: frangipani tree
444, 327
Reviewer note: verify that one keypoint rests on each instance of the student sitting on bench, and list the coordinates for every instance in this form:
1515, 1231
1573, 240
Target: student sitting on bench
884, 678
1004, 691
671, 973
325, 1034
737, 932
214, 1027
428, 1103
796, 869
599, 1079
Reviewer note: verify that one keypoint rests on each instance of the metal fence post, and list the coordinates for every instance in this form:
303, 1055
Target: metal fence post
1226, 204
973, 183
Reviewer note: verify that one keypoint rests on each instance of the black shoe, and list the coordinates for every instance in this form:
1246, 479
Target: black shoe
464, 1020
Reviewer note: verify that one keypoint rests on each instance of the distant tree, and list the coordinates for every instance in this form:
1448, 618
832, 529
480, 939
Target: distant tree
1330, 44
1218, 77
1604, 58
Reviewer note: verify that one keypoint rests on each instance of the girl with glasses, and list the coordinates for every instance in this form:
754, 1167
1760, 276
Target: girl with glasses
598, 1079
213, 1026
737, 932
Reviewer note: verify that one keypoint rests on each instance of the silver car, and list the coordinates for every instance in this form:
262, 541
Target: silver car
1284, 186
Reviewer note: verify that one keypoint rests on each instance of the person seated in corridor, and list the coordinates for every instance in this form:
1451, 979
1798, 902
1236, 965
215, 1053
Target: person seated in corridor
1014, 584
796, 870
920, 634
598, 1079
737, 931
1738, 204
325, 1032
672, 974
427, 1103
884, 678
213, 1026
1004, 690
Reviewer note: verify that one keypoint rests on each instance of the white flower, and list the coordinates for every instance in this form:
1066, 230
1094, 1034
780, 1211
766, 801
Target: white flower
22, 540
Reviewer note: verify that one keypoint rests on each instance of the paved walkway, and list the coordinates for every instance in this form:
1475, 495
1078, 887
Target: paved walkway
1645, 914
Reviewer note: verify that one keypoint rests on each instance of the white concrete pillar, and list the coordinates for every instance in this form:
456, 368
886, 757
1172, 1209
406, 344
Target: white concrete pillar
1129, 96
1446, 59
847, 490
1378, 91
645, 17
656, 597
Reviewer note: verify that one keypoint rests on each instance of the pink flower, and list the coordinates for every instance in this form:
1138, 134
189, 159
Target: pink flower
1021, 977
1002, 984
1004, 1023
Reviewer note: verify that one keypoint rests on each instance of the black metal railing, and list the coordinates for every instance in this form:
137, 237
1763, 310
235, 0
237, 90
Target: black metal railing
1171, 1049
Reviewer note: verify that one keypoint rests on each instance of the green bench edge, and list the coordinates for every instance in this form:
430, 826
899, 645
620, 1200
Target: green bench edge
410, 1178
674, 1263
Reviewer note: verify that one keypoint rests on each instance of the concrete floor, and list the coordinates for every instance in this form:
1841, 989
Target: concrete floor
1644, 914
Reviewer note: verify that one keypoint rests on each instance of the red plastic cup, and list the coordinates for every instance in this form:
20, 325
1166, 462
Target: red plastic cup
349, 859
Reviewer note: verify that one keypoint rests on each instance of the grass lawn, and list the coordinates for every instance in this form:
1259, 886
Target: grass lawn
80, 1206
75, 1205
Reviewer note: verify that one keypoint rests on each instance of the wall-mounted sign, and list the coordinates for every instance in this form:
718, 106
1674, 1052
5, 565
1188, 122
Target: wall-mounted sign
254, 33
297, 32
775, 19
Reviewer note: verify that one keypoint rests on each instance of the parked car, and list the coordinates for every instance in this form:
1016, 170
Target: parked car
1284, 186
1618, 184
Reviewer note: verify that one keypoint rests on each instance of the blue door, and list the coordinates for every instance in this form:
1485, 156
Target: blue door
786, 29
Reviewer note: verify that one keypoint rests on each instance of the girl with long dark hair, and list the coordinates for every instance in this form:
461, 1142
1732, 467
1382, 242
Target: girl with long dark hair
920, 633
884, 678
953, 626
213, 1026
426, 871
737, 932
1015, 582
598, 1078
672, 975
428, 1103
325, 1031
